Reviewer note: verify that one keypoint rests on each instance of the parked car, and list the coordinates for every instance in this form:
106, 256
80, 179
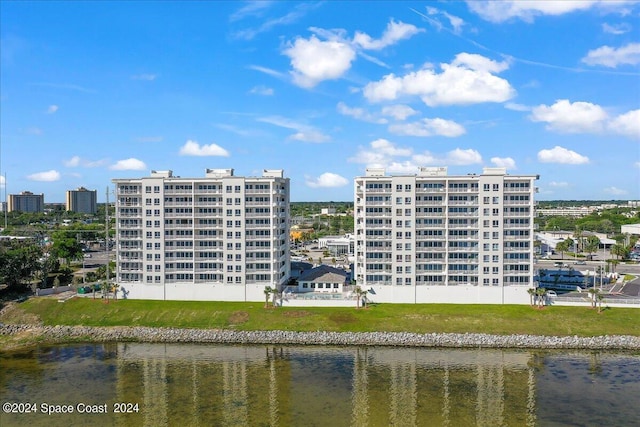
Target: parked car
552, 294
581, 262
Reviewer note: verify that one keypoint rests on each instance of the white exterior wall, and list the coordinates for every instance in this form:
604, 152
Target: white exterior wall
432, 237
220, 237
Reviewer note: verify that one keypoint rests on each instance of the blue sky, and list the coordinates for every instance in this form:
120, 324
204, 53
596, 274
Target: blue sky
91, 91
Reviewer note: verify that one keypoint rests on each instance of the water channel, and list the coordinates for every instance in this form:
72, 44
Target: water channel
130, 384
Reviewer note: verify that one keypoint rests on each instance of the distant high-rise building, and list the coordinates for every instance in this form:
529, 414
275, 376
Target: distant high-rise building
433, 237
221, 237
82, 201
25, 202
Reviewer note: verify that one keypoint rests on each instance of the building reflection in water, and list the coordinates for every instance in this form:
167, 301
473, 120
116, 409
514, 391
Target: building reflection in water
358, 386
205, 385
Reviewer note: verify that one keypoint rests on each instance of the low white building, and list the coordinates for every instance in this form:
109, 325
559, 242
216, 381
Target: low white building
337, 245
630, 229
324, 279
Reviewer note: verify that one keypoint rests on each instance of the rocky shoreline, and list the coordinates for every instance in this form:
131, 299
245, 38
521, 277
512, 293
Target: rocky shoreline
398, 339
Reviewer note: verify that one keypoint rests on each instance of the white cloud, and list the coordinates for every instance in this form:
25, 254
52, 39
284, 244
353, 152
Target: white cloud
128, 164
429, 127
615, 191
299, 10
516, 107
477, 62
52, 109
394, 32
252, 8
310, 136
77, 161
467, 80
612, 57
385, 154
359, 114
637, 165
327, 180
561, 155
48, 176
504, 162
72, 162
314, 60
269, 71
261, 90
2, 181
398, 111
627, 124
455, 21
192, 148
145, 77
389, 149
567, 117
303, 133
616, 29
463, 157
380, 153
558, 184
500, 11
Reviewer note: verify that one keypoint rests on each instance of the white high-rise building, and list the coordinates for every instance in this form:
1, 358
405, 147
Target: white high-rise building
432, 237
222, 237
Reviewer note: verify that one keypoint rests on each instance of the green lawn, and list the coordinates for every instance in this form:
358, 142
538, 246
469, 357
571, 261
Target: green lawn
427, 318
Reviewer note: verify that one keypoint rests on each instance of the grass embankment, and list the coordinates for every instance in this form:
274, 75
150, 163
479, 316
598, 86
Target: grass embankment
427, 318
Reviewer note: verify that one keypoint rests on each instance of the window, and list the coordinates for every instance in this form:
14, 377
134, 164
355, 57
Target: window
398, 200
407, 212
407, 187
485, 200
399, 187
407, 200
496, 187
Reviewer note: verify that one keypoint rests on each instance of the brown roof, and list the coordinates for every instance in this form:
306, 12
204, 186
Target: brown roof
324, 274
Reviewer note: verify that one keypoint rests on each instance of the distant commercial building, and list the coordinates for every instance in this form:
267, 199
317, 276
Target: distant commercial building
337, 245
328, 211
221, 237
82, 201
432, 237
25, 202
574, 211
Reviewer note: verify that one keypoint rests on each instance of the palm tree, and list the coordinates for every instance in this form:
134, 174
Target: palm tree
268, 290
532, 293
359, 294
592, 244
562, 247
619, 251
593, 293
540, 293
599, 297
